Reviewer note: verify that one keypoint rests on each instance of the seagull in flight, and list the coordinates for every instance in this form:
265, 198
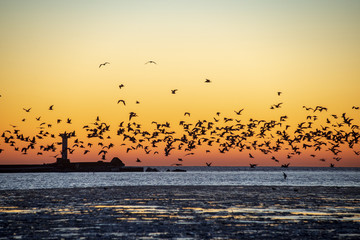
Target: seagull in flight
27, 110
131, 115
103, 64
122, 102
121, 86
207, 80
174, 91
151, 62
51, 107
239, 112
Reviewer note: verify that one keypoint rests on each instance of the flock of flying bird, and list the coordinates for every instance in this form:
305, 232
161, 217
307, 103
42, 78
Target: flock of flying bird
221, 134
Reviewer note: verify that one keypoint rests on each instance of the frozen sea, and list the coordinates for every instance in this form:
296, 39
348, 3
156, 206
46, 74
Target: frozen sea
195, 176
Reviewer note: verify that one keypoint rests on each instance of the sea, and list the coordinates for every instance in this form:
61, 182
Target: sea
194, 176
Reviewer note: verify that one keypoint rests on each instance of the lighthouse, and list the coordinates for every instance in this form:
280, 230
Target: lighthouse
64, 160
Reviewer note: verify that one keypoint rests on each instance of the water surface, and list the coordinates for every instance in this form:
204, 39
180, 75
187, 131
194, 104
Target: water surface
195, 176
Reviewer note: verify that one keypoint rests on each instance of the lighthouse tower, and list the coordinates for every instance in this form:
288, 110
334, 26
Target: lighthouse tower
64, 160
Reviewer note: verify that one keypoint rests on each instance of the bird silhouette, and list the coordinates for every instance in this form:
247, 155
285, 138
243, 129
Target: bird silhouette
286, 165
308, 108
103, 64
102, 152
276, 105
187, 113
121, 86
121, 101
239, 112
151, 62
285, 176
174, 91
279, 93
51, 107
208, 164
131, 115
27, 110
207, 81
320, 108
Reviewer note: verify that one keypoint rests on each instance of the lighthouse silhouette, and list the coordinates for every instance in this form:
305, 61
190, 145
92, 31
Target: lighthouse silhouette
64, 160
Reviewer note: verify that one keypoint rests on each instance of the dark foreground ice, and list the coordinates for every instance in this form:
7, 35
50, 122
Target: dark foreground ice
181, 212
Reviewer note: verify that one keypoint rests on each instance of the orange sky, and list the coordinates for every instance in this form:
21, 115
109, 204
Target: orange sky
250, 50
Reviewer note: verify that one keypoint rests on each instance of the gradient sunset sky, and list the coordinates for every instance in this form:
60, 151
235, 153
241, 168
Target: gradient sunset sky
250, 50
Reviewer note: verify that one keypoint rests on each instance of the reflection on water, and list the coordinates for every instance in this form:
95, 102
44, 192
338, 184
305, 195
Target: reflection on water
15, 210
59, 211
150, 213
181, 213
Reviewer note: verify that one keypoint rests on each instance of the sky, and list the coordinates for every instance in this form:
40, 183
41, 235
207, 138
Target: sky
250, 50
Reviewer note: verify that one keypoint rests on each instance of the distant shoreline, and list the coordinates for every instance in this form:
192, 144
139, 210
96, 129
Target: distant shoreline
104, 167
187, 166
